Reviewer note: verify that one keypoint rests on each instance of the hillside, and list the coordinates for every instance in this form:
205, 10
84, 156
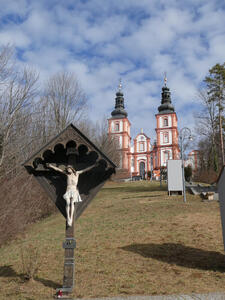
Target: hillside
132, 239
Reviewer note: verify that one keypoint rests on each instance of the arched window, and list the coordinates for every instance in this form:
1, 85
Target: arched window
165, 122
117, 141
141, 147
117, 127
142, 169
166, 156
166, 137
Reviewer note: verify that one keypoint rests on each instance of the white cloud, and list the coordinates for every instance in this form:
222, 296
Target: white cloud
19, 7
217, 48
14, 37
102, 41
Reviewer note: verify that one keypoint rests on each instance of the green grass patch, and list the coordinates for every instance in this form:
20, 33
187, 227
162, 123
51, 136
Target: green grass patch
132, 239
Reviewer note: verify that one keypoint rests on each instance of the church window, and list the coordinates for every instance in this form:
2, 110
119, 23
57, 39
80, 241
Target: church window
166, 137
165, 122
141, 147
166, 156
117, 141
117, 127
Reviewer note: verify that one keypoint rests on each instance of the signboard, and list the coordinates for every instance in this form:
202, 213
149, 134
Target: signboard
221, 191
174, 174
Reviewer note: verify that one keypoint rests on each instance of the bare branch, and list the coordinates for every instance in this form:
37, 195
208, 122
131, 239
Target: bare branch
64, 99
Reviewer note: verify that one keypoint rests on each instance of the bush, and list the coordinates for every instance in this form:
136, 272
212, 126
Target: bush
188, 173
206, 176
22, 202
30, 260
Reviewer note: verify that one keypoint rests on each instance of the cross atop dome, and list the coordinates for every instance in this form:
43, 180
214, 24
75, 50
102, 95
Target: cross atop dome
120, 85
165, 79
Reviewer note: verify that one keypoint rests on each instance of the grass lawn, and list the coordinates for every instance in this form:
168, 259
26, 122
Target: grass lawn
133, 239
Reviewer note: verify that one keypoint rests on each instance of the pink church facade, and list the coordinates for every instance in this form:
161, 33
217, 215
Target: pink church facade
141, 156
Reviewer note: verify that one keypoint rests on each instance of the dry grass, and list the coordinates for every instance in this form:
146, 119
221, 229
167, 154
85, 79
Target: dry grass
133, 239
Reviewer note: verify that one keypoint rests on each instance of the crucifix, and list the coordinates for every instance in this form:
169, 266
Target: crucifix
72, 193
71, 169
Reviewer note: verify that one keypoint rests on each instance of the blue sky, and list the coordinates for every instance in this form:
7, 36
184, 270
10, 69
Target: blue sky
136, 40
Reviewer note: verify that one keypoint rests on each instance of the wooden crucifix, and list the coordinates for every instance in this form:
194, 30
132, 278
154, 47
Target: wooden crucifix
71, 169
70, 242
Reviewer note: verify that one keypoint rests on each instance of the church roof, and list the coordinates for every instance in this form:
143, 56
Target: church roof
119, 111
166, 105
141, 133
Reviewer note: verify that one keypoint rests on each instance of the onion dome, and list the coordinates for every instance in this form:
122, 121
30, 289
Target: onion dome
166, 105
119, 111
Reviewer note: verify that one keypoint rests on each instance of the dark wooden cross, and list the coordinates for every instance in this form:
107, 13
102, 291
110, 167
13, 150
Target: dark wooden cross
70, 147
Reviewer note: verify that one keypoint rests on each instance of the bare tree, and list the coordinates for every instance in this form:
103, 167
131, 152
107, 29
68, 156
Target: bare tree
26, 127
98, 133
6, 63
207, 118
208, 129
215, 84
18, 89
64, 100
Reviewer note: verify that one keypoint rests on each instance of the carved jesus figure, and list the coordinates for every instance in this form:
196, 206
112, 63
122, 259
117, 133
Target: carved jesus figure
72, 193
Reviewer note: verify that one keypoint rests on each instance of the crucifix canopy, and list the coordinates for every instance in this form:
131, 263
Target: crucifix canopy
70, 147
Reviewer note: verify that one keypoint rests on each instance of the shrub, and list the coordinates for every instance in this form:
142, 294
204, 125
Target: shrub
188, 173
22, 202
30, 260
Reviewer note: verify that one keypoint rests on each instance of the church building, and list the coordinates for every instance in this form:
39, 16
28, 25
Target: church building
141, 156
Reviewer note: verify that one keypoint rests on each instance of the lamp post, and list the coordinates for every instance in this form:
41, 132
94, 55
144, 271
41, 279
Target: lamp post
160, 177
151, 161
185, 133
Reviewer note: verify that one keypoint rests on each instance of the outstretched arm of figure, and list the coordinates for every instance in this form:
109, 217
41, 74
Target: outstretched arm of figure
85, 170
50, 166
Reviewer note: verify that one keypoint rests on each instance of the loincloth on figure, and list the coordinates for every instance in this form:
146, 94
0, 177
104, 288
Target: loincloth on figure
74, 195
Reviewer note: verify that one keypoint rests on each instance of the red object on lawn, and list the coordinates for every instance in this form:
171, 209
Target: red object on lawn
59, 294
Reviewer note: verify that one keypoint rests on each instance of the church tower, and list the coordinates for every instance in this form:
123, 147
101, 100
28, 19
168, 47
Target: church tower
119, 128
166, 130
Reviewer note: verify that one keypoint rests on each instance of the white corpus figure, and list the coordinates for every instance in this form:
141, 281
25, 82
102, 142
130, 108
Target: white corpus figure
72, 194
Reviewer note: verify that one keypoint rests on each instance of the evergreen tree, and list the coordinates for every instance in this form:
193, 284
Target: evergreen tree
215, 83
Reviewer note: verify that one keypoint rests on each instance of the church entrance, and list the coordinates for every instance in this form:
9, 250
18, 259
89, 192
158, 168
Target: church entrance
142, 170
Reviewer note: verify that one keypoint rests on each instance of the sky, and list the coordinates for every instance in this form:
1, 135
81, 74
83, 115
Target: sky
138, 41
